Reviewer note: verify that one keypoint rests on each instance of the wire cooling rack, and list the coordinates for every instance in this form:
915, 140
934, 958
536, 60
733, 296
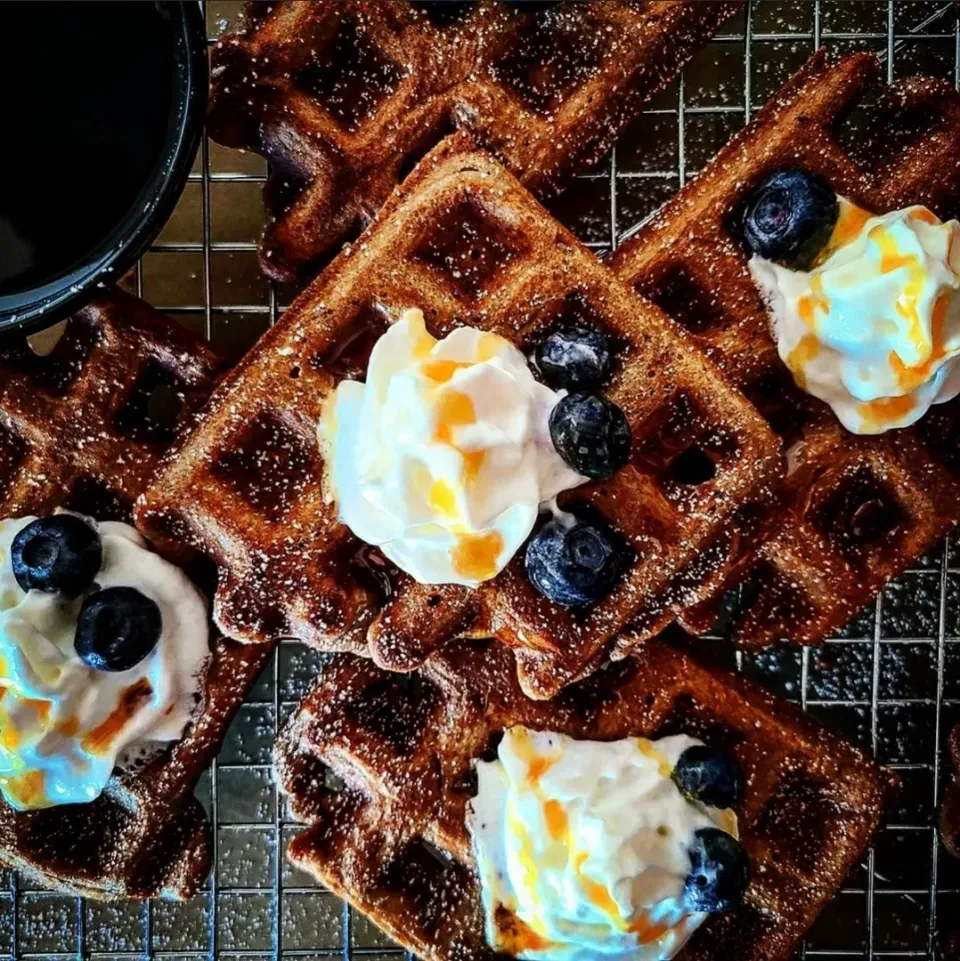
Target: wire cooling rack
891, 682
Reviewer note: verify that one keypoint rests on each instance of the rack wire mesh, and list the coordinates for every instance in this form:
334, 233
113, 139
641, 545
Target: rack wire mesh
890, 681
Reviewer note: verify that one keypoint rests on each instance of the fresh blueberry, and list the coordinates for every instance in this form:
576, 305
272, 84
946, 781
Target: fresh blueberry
117, 628
790, 218
574, 562
59, 555
719, 872
709, 776
591, 434
574, 358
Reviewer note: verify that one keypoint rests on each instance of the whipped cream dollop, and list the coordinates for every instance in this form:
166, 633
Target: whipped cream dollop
443, 458
64, 726
873, 328
583, 847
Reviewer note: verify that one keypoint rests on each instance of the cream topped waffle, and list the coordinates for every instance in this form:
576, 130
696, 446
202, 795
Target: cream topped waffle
854, 511
467, 245
78, 432
383, 770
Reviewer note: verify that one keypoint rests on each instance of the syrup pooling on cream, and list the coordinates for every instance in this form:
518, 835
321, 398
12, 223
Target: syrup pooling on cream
582, 847
873, 328
443, 457
64, 726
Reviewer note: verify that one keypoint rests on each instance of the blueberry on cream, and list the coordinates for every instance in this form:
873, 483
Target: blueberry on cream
575, 358
790, 218
590, 849
865, 307
709, 776
102, 648
574, 562
57, 555
117, 628
591, 434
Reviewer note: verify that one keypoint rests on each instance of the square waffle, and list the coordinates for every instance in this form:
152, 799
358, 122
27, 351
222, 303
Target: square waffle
464, 241
343, 98
854, 511
82, 428
381, 766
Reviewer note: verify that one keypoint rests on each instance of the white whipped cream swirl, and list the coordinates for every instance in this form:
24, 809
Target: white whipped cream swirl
443, 458
873, 328
64, 726
583, 847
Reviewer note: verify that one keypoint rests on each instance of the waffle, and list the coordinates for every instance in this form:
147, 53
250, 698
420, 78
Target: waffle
343, 98
78, 430
380, 766
950, 808
854, 511
464, 241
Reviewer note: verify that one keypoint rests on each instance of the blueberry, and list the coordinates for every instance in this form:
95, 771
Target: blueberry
719, 872
59, 555
790, 218
575, 562
710, 776
117, 628
591, 434
574, 358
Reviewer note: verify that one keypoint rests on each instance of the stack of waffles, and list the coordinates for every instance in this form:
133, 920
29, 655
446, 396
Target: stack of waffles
735, 477
379, 764
84, 427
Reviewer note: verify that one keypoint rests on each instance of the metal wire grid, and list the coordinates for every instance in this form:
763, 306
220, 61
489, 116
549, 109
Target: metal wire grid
890, 682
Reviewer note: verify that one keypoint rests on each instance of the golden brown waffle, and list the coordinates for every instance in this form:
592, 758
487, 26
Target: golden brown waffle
380, 767
467, 243
343, 98
78, 429
854, 511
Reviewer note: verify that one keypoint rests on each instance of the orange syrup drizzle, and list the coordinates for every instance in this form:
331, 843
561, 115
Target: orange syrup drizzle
558, 824
29, 788
98, 741
475, 555
925, 216
68, 727
809, 304
454, 409
885, 410
443, 499
845, 231
907, 303
514, 935
909, 378
806, 350
10, 736
646, 931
